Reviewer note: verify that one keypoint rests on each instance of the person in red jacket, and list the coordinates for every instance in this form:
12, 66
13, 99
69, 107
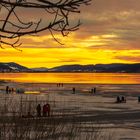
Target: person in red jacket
46, 110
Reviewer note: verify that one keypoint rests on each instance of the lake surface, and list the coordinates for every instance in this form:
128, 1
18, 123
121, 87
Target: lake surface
96, 78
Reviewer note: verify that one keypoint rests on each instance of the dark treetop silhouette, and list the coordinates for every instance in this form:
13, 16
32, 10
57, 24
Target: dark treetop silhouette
14, 25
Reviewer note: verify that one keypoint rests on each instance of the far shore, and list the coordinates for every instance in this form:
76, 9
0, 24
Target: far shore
67, 72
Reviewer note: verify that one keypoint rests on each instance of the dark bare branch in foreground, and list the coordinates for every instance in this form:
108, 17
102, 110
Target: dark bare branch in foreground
14, 25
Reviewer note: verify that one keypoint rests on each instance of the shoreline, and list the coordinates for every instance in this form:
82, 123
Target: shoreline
68, 83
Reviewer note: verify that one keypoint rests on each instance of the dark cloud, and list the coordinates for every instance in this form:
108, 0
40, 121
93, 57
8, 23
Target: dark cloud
129, 58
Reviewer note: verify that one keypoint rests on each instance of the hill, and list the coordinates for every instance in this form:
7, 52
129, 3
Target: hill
115, 67
13, 67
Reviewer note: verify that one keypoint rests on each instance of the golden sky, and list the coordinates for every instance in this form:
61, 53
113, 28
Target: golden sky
110, 33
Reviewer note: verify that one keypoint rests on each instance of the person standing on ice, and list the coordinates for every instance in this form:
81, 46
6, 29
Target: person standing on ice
38, 109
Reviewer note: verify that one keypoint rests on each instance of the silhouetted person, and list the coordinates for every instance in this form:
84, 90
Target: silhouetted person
48, 109
38, 109
138, 99
7, 89
45, 110
10, 90
94, 90
73, 90
123, 99
118, 99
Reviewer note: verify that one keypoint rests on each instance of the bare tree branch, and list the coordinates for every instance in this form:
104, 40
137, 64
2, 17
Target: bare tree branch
13, 25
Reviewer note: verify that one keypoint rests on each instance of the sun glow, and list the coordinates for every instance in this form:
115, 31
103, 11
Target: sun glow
50, 57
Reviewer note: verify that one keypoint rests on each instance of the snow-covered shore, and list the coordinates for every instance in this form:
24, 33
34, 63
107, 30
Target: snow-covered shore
120, 119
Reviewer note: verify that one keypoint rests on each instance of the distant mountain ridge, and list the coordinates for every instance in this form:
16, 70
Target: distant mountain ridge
13, 67
73, 68
114, 67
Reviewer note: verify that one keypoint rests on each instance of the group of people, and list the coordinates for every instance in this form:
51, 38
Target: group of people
121, 99
93, 90
45, 110
60, 85
9, 89
12, 90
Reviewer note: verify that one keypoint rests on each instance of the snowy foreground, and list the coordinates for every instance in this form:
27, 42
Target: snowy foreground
73, 116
